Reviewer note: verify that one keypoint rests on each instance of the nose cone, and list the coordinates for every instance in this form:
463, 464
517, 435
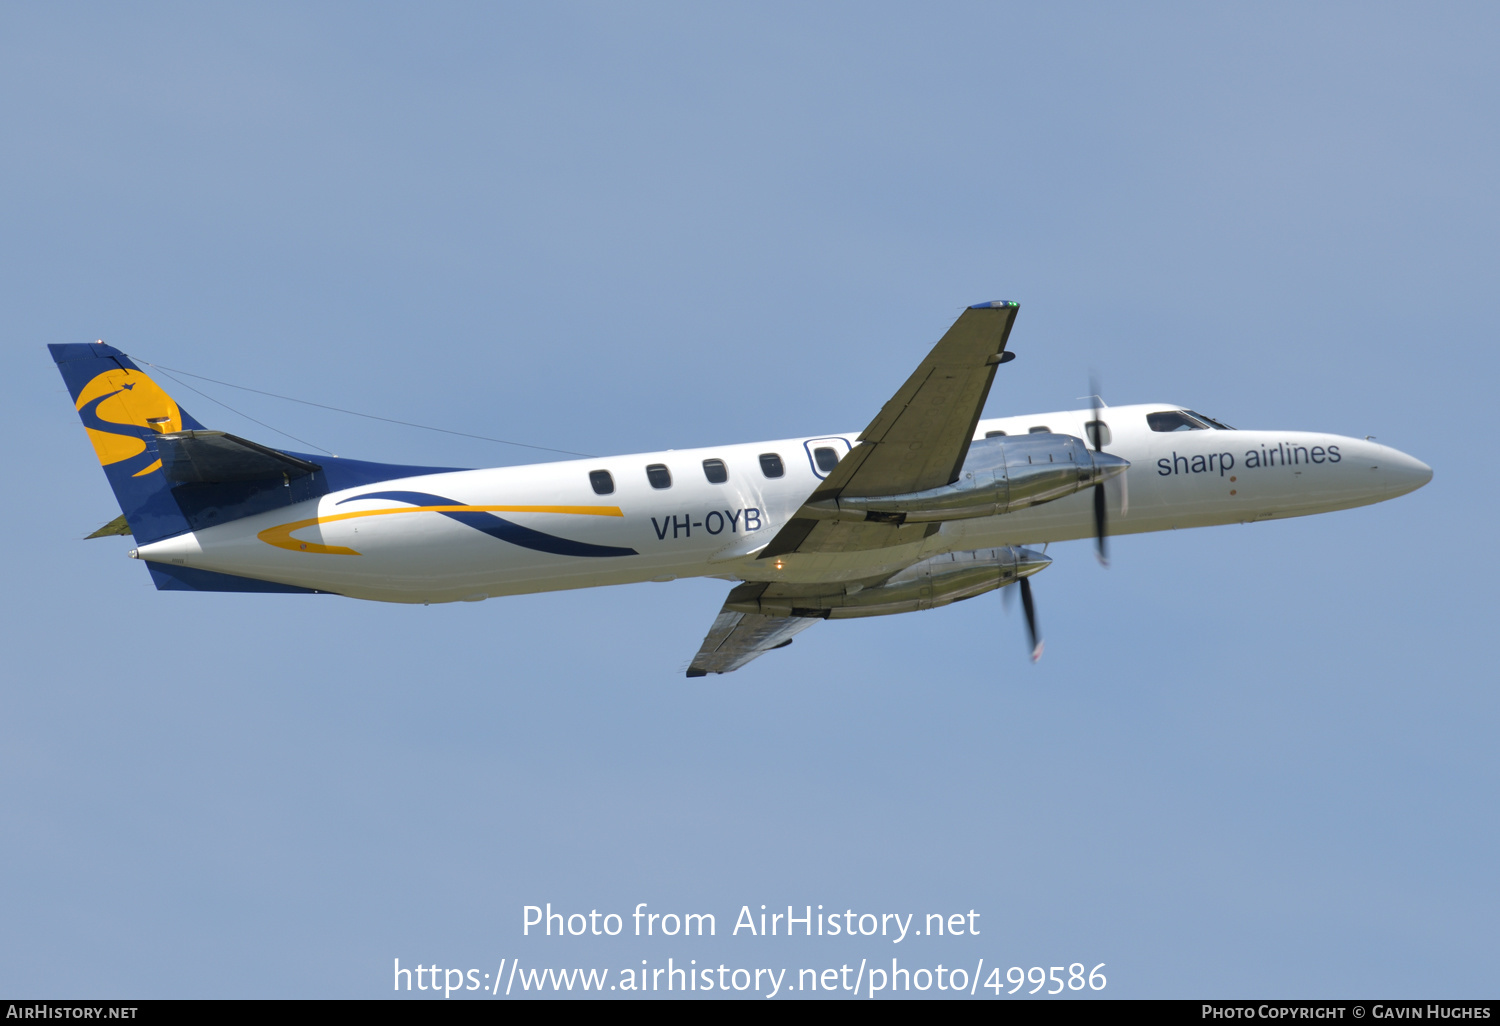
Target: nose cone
1107, 466
1404, 473
1030, 561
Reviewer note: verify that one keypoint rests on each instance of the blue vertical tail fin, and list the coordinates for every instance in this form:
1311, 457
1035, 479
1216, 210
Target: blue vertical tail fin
124, 410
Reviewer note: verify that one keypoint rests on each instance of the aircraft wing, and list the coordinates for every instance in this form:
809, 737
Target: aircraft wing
918, 440
736, 638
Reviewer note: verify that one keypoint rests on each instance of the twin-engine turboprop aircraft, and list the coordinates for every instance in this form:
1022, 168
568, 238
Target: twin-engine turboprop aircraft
927, 506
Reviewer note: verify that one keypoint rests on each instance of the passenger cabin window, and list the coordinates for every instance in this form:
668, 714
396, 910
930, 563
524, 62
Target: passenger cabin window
826, 458
1039, 430
659, 475
602, 482
770, 464
994, 434
1174, 420
1098, 433
715, 471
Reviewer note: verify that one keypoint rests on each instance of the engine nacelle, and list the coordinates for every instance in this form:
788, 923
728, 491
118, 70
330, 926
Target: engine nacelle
933, 582
1000, 475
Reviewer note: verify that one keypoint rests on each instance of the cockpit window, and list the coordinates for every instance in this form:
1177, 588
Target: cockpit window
1175, 420
1209, 420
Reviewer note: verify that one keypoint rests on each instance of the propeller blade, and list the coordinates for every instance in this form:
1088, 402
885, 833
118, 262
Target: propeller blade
1100, 531
1100, 520
1098, 408
1030, 607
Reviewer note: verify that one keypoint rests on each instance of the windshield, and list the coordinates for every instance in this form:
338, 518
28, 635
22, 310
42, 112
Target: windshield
1175, 420
1183, 420
1209, 420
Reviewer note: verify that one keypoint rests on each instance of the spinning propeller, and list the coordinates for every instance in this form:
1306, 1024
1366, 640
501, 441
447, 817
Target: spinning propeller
1096, 436
1028, 605
1030, 608
1095, 431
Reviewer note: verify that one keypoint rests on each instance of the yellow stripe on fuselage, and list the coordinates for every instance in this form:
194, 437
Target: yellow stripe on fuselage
281, 535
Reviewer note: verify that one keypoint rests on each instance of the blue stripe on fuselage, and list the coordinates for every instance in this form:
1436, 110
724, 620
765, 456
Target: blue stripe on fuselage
499, 527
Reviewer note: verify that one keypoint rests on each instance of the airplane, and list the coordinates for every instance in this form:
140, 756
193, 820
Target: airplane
929, 505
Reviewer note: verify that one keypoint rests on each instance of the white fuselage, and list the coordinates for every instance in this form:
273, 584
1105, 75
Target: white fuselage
393, 551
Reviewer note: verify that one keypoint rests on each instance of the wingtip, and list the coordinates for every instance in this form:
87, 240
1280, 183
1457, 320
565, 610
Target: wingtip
697, 673
995, 304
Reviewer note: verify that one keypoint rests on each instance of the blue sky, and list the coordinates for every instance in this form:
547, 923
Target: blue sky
1255, 760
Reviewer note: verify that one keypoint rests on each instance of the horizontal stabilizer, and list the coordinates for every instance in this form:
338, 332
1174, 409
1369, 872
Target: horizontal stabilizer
217, 457
116, 526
